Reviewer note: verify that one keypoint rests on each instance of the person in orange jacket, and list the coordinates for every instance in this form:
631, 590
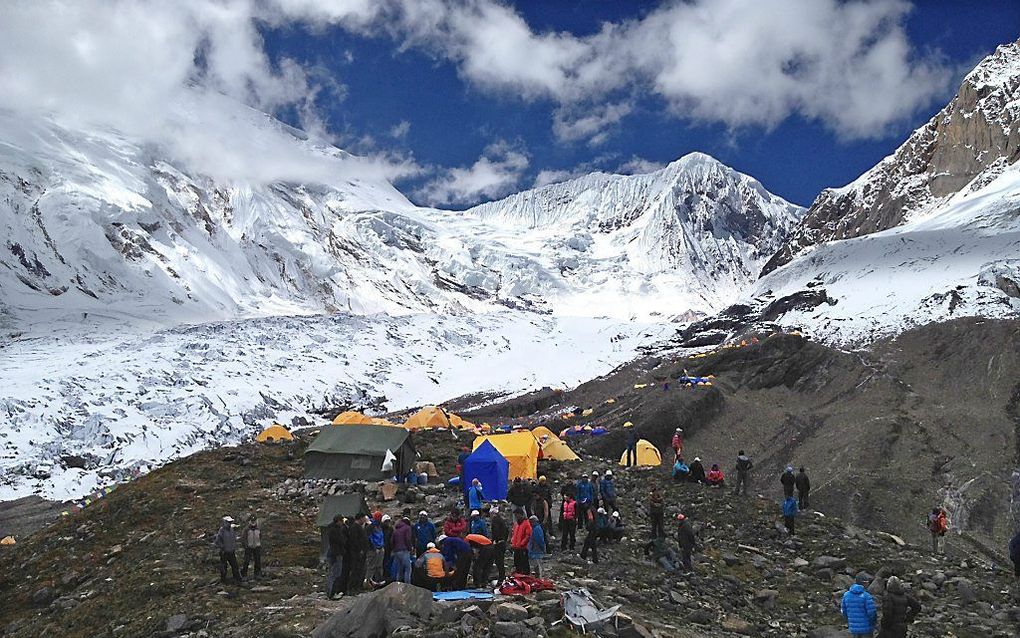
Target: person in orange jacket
432, 563
520, 539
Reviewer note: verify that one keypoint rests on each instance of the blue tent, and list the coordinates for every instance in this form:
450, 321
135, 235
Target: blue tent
490, 467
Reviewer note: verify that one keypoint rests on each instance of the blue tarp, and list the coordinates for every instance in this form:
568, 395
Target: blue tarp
463, 595
488, 466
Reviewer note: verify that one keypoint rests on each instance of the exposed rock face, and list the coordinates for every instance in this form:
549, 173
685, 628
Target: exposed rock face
968, 142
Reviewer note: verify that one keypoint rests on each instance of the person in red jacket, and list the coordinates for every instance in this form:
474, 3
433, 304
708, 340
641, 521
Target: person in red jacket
678, 443
520, 539
456, 524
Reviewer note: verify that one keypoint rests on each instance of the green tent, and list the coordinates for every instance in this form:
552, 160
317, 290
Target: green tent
346, 505
359, 452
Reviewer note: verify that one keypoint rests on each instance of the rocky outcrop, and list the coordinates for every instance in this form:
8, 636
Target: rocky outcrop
967, 143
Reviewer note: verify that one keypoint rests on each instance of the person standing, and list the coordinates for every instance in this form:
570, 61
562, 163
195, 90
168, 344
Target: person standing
657, 512
226, 541
608, 491
938, 525
687, 541
788, 480
475, 495
1014, 555
744, 465
858, 608
387, 560
500, 535
540, 511
424, 532
596, 489
252, 542
455, 525
403, 545
478, 524
898, 610
568, 522
591, 538
631, 453
585, 497
678, 443
518, 494
803, 484
376, 550
790, 514
481, 561
545, 491
336, 538
536, 547
520, 540
358, 547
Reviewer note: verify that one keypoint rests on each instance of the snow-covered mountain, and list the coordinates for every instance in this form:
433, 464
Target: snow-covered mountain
930, 233
690, 236
95, 223
148, 311
963, 147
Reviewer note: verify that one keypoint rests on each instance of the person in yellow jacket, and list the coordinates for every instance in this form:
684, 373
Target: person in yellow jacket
434, 567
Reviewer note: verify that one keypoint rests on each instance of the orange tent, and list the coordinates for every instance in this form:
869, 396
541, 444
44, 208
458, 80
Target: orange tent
274, 434
427, 418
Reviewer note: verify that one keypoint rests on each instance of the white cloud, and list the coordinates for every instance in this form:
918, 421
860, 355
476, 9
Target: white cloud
495, 173
639, 165
552, 176
845, 63
400, 130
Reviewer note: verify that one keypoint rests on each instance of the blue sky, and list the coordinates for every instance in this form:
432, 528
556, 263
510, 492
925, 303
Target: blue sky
414, 100
460, 101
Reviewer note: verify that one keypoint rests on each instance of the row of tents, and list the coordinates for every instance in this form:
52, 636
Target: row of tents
428, 418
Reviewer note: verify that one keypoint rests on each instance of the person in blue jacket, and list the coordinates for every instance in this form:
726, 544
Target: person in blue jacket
608, 489
585, 496
479, 525
475, 495
790, 508
536, 548
424, 532
457, 554
859, 611
680, 470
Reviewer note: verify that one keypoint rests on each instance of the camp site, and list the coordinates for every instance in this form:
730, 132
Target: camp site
509, 319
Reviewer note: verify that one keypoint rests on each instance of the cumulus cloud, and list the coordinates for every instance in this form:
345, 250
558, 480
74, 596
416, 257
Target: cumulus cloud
495, 173
639, 165
400, 130
845, 63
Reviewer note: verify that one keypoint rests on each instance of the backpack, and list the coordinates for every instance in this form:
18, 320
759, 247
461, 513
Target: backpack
570, 510
938, 524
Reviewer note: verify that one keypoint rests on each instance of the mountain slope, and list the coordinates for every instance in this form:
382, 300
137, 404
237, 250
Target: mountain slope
695, 231
965, 146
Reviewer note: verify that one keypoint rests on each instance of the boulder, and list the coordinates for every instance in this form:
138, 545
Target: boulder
378, 614
511, 630
737, 625
510, 612
176, 622
43, 596
828, 562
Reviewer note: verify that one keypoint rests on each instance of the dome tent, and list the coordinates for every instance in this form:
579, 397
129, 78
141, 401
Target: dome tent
427, 418
274, 434
491, 468
647, 454
520, 449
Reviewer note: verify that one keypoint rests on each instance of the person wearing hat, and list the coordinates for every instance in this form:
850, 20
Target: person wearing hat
678, 443
252, 542
424, 532
544, 491
715, 476
596, 489
226, 541
455, 525
607, 490
585, 497
790, 510
433, 566
537, 545
631, 454
387, 560
591, 540
899, 609
788, 481
457, 552
519, 495
336, 538
478, 524
500, 537
697, 474
687, 541
376, 550
615, 530
475, 495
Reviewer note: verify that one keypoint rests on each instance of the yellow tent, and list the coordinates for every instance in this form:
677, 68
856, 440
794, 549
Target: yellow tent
552, 447
460, 423
427, 418
520, 449
274, 434
647, 454
351, 417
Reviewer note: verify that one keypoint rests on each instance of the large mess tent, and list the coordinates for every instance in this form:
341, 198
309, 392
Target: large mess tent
346, 505
520, 449
491, 468
360, 453
274, 434
647, 454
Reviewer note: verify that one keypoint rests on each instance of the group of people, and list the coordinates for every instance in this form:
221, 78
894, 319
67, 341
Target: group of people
225, 541
899, 608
